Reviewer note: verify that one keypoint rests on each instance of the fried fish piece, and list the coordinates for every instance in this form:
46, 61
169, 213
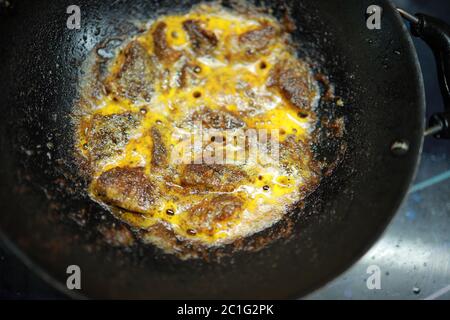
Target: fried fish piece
136, 76
108, 135
203, 41
215, 119
295, 82
159, 150
163, 51
126, 188
254, 41
214, 177
205, 216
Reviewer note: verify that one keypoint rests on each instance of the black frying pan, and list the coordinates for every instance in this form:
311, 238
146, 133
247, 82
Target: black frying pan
51, 224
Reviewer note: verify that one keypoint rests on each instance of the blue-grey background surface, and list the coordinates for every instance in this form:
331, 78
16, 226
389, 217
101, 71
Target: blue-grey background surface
413, 254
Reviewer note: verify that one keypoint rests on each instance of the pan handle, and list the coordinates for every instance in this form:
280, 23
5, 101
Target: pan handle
436, 33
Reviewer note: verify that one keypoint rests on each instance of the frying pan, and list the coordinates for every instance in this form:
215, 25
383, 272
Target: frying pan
51, 224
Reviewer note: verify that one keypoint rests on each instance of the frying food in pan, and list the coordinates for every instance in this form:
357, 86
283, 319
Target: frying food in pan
214, 71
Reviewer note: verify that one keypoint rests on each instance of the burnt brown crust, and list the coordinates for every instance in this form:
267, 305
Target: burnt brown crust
301, 152
116, 185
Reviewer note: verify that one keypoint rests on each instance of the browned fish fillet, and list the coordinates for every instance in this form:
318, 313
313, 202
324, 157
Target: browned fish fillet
216, 177
126, 188
203, 41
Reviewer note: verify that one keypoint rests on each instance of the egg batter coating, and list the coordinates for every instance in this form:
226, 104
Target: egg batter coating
215, 69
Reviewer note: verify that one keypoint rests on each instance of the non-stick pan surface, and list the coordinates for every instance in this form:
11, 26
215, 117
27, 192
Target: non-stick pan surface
49, 222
